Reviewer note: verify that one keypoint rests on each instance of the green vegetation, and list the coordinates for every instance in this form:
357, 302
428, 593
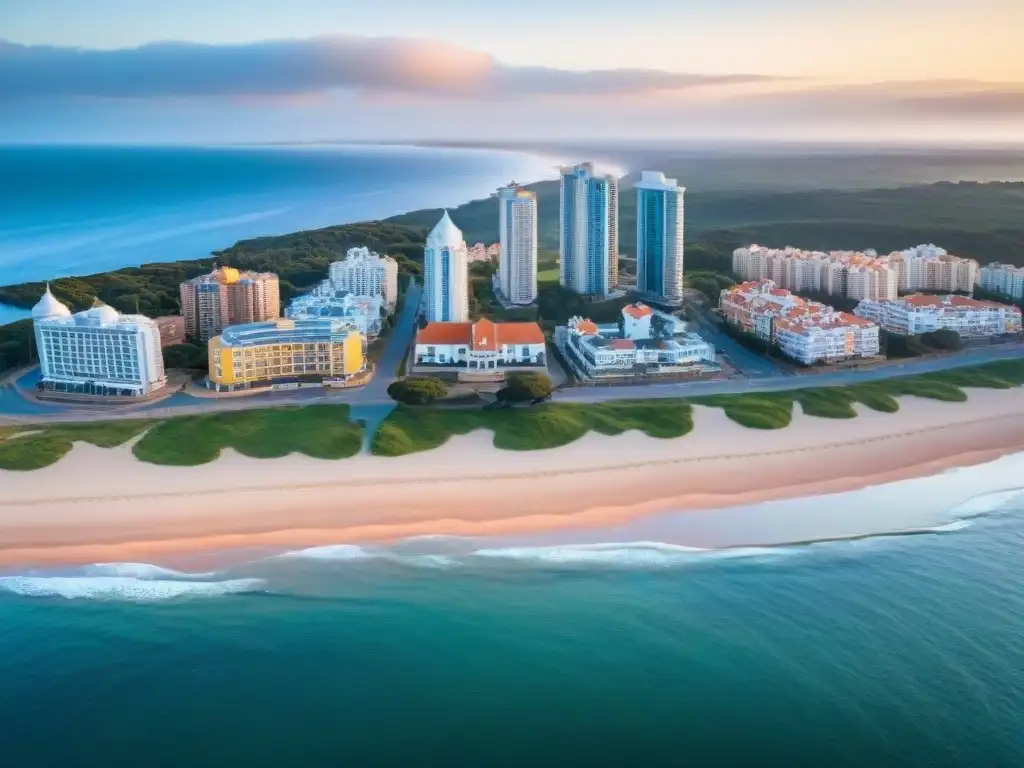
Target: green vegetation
896, 346
187, 355
525, 388
320, 431
417, 391
410, 430
34, 447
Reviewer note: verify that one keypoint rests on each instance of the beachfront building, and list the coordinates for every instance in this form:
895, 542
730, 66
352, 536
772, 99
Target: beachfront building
285, 354
921, 313
483, 346
646, 341
225, 296
96, 352
366, 273
659, 237
854, 274
446, 274
589, 224
930, 268
1003, 278
363, 313
517, 260
806, 331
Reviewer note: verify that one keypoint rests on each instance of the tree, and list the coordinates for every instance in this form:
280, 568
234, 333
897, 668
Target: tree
941, 339
186, 356
417, 391
526, 388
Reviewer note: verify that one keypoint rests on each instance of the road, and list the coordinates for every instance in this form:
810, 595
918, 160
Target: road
776, 383
374, 395
750, 363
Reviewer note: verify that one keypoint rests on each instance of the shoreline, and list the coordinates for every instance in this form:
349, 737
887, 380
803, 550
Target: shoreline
458, 489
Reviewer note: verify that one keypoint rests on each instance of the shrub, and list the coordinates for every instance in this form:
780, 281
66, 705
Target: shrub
526, 387
417, 391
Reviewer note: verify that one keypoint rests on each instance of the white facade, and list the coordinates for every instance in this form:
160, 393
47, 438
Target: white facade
365, 273
517, 261
98, 351
446, 274
481, 346
930, 268
1003, 278
917, 314
364, 313
659, 236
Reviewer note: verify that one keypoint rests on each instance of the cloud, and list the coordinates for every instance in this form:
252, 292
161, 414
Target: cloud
286, 67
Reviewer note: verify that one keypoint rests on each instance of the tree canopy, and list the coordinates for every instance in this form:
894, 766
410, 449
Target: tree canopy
419, 391
525, 387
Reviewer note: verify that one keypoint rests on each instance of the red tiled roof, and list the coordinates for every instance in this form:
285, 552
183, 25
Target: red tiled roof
586, 326
484, 335
445, 333
621, 344
638, 311
520, 333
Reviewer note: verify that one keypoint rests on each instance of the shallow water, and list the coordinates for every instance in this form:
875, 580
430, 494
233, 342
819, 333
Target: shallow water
887, 649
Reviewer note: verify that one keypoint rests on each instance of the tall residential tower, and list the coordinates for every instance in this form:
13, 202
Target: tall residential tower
445, 274
588, 218
226, 297
517, 265
659, 237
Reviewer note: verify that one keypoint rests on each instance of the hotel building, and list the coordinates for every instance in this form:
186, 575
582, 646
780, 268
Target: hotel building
365, 273
446, 274
96, 352
806, 331
659, 237
225, 297
481, 346
364, 313
1003, 278
284, 354
647, 341
588, 240
921, 313
517, 261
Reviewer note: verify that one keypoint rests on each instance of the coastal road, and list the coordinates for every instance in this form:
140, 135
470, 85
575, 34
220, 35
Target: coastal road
776, 383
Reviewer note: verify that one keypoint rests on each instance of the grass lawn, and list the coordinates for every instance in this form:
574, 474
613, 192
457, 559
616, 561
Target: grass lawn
410, 429
320, 431
42, 446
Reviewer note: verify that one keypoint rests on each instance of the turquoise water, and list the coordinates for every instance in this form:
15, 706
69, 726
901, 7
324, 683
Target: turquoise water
80, 210
885, 650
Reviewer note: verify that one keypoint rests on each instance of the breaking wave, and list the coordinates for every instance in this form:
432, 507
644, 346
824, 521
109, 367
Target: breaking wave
123, 587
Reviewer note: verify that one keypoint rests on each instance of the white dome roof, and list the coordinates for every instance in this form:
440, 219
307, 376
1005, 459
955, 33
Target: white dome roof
48, 306
445, 233
104, 313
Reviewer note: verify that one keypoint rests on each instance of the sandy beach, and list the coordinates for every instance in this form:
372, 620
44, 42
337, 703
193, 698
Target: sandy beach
102, 505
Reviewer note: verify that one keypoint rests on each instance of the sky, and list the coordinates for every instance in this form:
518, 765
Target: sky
305, 70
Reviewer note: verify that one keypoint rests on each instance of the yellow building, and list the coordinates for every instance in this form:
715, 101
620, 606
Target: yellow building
283, 353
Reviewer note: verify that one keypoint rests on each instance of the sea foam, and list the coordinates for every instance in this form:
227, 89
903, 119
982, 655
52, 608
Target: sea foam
122, 587
142, 571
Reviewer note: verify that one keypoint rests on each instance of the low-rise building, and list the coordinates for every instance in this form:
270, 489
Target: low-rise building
96, 352
483, 346
922, 313
1003, 278
364, 313
647, 341
806, 331
285, 353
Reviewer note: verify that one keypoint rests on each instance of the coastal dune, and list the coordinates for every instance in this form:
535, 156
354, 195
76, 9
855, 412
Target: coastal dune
103, 505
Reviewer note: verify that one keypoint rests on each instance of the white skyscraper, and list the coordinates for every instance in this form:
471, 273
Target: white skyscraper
446, 274
365, 273
659, 237
96, 352
517, 266
588, 222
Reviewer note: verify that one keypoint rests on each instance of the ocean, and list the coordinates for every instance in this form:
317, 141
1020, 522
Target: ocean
71, 210
899, 647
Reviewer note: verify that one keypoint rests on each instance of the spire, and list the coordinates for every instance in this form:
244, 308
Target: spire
445, 232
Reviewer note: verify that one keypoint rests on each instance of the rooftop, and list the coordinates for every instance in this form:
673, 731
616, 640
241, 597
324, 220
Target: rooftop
484, 335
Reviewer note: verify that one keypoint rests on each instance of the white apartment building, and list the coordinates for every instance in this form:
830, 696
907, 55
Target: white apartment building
96, 352
1003, 278
930, 268
363, 313
659, 237
806, 331
446, 274
921, 313
366, 273
857, 274
517, 260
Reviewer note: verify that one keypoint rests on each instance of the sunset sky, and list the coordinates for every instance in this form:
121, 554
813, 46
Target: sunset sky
265, 70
